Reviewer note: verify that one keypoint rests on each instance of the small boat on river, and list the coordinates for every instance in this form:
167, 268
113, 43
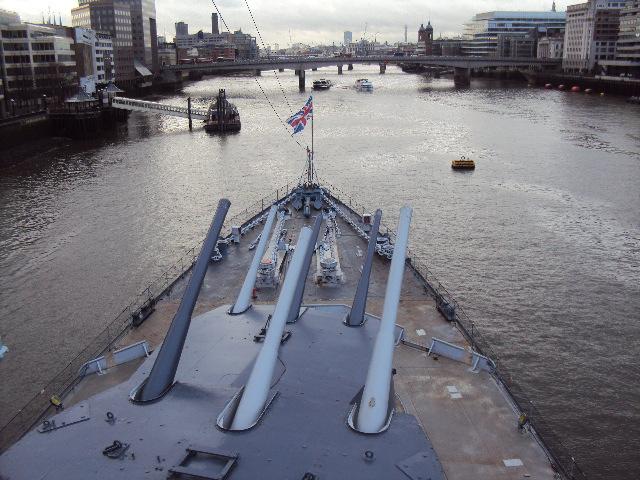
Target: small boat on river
322, 84
463, 164
364, 85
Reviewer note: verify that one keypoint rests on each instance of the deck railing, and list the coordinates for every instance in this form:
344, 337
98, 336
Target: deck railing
40, 405
561, 460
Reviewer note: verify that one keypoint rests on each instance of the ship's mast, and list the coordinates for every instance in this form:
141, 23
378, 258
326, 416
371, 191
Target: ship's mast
310, 172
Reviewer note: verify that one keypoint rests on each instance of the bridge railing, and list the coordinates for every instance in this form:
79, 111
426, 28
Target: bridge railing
155, 106
366, 59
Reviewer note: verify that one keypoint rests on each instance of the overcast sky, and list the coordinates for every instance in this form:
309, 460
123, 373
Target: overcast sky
310, 22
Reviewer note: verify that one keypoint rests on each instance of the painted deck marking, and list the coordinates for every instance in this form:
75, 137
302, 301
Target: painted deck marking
453, 392
513, 462
421, 332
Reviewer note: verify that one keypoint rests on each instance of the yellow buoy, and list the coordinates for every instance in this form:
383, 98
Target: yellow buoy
463, 164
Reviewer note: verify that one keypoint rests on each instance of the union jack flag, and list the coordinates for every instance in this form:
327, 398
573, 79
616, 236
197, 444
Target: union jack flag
299, 120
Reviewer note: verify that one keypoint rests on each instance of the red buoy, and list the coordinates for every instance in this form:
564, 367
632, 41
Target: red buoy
575, 88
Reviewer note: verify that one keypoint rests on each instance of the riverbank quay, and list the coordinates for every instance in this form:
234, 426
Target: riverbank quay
600, 84
23, 128
15, 131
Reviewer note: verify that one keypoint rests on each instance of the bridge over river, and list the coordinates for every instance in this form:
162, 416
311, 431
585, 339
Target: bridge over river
462, 65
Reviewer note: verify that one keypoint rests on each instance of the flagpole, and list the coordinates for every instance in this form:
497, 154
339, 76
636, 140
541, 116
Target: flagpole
313, 114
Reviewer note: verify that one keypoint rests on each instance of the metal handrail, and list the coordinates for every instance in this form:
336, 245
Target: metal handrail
558, 453
39, 405
68, 377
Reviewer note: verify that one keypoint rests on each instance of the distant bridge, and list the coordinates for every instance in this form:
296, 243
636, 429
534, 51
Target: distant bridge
154, 107
461, 65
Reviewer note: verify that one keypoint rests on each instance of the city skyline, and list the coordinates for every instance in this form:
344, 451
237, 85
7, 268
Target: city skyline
310, 24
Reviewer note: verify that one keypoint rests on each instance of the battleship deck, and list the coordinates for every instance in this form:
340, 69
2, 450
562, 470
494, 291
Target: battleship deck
465, 416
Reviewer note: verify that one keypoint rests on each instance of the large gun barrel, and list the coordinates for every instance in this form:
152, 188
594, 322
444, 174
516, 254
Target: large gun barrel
164, 368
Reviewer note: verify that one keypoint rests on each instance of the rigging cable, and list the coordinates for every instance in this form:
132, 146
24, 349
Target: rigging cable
265, 48
260, 86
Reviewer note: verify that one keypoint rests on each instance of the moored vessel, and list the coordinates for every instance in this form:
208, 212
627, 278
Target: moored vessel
223, 115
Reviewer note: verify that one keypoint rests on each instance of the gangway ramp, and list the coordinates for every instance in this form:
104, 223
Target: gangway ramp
155, 107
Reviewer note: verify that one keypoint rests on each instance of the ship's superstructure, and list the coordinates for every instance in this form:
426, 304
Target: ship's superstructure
257, 365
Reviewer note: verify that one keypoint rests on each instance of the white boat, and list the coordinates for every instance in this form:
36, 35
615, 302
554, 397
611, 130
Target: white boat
322, 84
364, 85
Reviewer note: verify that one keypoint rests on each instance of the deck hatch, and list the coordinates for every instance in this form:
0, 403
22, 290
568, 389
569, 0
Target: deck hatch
200, 462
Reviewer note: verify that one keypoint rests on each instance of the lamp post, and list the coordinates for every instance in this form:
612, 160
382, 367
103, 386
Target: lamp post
44, 102
13, 107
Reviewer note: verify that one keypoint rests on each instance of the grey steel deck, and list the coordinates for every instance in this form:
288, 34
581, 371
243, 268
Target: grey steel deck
304, 429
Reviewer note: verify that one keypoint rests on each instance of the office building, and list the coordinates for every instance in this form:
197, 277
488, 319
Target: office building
486, 32
182, 29
348, 38
94, 59
244, 44
167, 54
551, 46
112, 17
143, 29
591, 35
36, 60
627, 58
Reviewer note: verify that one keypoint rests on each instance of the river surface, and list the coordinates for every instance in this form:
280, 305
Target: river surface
540, 244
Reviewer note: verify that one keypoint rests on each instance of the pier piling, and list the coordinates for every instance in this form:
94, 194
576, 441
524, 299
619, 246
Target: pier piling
301, 81
189, 113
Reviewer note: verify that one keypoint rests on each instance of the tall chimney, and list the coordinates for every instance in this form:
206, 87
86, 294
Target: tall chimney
374, 405
160, 380
214, 24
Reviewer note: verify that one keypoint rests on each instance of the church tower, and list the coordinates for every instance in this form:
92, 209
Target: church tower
429, 39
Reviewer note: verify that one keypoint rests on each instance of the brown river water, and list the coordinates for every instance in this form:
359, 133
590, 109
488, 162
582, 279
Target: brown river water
540, 244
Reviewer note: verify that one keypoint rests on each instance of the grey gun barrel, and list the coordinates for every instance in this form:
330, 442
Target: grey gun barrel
243, 302
294, 312
256, 391
355, 317
164, 368
374, 405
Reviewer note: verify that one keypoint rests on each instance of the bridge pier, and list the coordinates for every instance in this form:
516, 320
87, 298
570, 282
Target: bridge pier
258, 73
462, 77
383, 68
314, 69
297, 72
339, 69
281, 70
301, 81
350, 66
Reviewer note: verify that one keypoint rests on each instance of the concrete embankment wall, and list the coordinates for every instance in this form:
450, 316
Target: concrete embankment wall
626, 87
20, 131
